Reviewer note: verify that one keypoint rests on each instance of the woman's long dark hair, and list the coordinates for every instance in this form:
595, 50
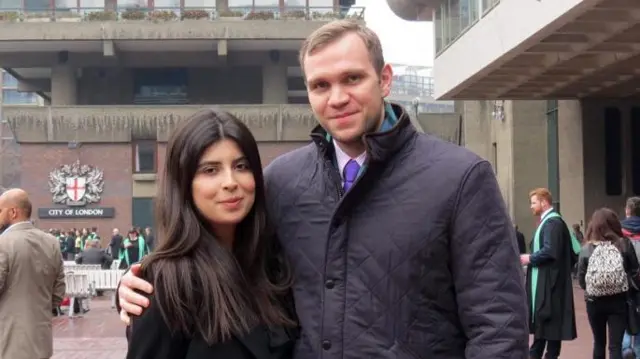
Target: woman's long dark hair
604, 226
204, 289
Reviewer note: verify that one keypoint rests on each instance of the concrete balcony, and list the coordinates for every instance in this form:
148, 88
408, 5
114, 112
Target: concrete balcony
158, 23
100, 124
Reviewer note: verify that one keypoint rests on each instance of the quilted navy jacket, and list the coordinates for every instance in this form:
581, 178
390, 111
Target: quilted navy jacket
418, 260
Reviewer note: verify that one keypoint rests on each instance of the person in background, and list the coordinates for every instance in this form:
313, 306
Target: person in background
606, 266
31, 281
149, 238
116, 243
631, 229
549, 284
133, 249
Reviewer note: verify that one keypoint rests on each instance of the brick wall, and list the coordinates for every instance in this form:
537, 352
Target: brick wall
38, 160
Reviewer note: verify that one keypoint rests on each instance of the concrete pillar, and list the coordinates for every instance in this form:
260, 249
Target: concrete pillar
529, 168
274, 84
64, 89
571, 153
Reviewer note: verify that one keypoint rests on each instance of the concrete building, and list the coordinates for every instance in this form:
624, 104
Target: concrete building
413, 88
118, 81
550, 91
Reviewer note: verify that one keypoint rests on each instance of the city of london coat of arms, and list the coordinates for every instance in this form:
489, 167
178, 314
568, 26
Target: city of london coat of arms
75, 184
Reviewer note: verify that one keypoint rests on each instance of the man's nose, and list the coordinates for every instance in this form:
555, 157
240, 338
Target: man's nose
338, 96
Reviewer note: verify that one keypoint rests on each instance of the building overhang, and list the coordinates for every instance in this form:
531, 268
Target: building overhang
414, 10
593, 52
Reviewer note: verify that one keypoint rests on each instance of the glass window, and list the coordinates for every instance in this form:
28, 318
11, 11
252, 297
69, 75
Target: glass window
8, 80
474, 10
13, 97
145, 157
454, 19
465, 18
142, 212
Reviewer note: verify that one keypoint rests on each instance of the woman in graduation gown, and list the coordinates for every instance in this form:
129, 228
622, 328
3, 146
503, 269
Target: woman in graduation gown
222, 287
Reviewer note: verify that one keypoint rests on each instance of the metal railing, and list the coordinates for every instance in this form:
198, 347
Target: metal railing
159, 14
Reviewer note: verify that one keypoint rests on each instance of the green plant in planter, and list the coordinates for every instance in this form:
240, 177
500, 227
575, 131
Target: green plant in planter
162, 15
230, 13
133, 14
102, 16
195, 14
296, 14
9, 16
260, 15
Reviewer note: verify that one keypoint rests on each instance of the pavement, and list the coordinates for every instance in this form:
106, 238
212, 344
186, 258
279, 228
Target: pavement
99, 334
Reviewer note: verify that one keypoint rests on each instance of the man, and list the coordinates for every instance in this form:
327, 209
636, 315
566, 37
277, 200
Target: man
149, 238
549, 285
631, 229
400, 242
93, 254
31, 281
116, 243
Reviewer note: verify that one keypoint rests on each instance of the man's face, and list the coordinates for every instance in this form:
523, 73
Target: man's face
345, 92
537, 206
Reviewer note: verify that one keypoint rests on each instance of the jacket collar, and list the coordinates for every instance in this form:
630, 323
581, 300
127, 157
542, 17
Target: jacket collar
394, 133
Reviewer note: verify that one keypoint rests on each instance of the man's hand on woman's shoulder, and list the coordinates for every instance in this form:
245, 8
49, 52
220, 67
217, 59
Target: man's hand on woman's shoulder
132, 303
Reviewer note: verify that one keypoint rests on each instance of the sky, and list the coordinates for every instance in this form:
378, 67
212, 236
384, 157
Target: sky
405, 42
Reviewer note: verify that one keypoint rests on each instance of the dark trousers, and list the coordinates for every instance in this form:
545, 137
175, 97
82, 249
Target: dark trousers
611, 312
538, 346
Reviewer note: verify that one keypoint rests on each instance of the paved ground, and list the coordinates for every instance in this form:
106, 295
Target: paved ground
100, 335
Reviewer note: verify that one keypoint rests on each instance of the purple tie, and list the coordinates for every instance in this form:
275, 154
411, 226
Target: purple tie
350, 174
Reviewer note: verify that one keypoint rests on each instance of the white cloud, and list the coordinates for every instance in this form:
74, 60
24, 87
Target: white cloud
409, 42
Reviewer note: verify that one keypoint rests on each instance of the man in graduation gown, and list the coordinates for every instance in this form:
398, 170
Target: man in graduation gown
549, 286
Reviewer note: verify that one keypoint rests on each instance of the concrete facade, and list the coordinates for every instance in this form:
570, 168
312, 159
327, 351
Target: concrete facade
562, 76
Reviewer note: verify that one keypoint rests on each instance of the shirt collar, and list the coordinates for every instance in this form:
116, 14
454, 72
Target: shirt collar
546, 212
15, 224
342, 158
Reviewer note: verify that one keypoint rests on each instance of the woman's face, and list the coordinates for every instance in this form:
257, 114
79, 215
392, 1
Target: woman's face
223, 187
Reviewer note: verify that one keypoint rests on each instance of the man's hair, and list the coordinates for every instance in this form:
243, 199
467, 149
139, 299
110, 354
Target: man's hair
542, 194
633, 206
335, 30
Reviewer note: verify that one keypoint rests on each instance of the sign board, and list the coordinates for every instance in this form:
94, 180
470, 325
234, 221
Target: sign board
63, 213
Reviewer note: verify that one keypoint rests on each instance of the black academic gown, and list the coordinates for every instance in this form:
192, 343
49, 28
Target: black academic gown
554, 315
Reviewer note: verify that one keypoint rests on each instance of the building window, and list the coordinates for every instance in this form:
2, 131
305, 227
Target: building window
613, 151
13, 97
142, 212
454, 17
8, 80
144, 153
635, 150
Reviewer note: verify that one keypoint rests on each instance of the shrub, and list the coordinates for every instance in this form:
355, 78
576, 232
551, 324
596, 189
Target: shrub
102, 16
163, 15
133, 14
297, 14
195, 14
9, 16
260, 15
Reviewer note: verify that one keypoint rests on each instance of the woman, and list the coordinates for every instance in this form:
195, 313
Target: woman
133, 250
221, 285
606, 265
